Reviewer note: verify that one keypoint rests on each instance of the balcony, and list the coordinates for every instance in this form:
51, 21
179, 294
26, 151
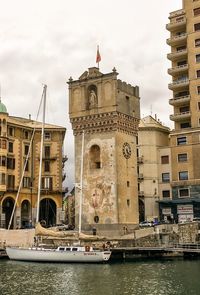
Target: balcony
140, 160
178, 84
179, 100
176, 25
177, 13
141, 194
178, 39
140, 176
177, 55
178, 70
180, 116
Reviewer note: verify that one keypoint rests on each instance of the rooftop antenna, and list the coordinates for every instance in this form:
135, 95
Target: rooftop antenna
151, 109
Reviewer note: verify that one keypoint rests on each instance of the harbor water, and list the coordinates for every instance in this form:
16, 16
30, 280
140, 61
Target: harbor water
175, 277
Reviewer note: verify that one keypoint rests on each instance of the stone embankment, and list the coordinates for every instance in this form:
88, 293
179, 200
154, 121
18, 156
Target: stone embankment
20, 237
162, 235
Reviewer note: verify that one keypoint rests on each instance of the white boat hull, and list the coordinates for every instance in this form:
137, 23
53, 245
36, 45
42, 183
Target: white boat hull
53, 255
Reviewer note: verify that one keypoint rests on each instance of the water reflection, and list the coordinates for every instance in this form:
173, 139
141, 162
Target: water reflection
141, 278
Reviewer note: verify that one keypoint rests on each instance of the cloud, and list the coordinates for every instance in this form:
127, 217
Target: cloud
47, 41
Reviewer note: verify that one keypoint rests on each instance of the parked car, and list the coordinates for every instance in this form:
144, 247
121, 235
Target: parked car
145, 224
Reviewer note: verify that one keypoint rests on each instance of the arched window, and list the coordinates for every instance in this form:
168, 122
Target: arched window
95, 152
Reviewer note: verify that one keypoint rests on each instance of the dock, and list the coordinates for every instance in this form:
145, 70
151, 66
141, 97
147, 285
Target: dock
173, 251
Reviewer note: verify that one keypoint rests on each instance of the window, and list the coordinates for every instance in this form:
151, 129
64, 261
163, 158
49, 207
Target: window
128, 183
165, 177
47, 151
197, 58
164, 159
26, 182
2, 143
183, 175
2, 179
166, 194
10, 163
47, 136
47, 166
11, 181
185, 109
197, 27
185, 125
196, 11
198, 73
3, 161
182, 157
10, 131
26, 149
180, 48
47, 183
10, 147
95, 154
183, 192
181, 140
182, 63
26, 134
128, 202
197, 42
27, 166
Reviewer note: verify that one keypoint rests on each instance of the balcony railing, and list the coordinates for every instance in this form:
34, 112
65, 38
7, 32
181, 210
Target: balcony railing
176, 24
177, 13
140, 176
178, 69
180, 116
176, 39
140, 160
177, 54
179, 100
178, 84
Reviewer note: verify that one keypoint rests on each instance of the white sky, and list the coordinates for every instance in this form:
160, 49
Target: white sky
47, 41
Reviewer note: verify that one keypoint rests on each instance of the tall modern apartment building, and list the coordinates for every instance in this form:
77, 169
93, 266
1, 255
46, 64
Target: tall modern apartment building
184, 28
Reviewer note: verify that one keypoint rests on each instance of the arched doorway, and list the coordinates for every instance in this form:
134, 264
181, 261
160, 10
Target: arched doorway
48, 211
25, 214
141, 210
7, 208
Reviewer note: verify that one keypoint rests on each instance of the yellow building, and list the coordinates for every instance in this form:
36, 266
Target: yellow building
15, 139
154, 167
184, 28
108, 111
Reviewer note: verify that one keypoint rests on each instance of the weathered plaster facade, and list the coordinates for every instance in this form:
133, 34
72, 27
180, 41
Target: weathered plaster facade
107, 110
153, 142
15, 139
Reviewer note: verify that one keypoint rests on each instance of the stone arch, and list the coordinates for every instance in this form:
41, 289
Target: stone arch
95, 157
7, 208
48, 210
141, 210
92, 96
25, 214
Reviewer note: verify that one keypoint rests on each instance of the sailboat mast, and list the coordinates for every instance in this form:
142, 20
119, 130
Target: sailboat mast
41, 153
81, 183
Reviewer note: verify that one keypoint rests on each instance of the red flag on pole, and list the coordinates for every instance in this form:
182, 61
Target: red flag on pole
98, 58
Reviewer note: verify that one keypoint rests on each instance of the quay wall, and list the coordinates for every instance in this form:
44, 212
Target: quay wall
18, 237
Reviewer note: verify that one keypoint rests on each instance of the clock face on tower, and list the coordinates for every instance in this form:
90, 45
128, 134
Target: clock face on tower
126, 150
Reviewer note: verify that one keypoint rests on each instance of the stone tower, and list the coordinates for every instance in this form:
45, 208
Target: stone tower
108, 111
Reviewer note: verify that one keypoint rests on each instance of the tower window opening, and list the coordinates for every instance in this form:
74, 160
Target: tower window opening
95, 152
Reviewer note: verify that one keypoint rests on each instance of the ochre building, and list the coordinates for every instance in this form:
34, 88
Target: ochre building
15, 140
104, 113
184, 28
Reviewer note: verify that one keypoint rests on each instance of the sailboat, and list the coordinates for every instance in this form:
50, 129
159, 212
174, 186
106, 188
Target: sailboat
74, 253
